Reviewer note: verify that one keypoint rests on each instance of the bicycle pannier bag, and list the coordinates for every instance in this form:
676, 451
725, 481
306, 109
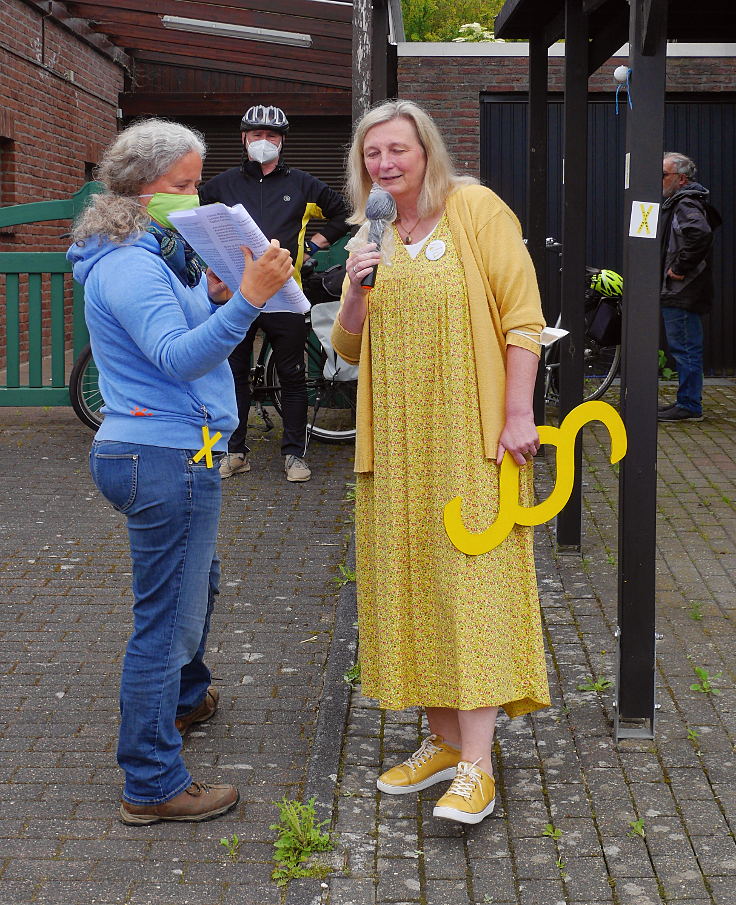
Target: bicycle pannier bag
605, 324
323, 317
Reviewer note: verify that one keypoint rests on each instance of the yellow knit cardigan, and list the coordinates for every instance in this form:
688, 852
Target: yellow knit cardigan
502, 296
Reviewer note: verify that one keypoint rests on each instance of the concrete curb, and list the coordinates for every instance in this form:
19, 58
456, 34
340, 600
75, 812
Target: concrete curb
334, 707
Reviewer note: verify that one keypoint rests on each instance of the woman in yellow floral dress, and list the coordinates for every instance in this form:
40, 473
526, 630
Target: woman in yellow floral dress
448, 345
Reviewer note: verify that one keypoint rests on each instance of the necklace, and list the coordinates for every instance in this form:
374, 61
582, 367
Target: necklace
407, 237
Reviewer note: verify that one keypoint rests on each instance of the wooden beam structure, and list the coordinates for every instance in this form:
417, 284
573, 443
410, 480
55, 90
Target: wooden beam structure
192, 70
638, 474
652, 25
574, 242
180, 104
536, 194
274, 49
647, 24
82, 29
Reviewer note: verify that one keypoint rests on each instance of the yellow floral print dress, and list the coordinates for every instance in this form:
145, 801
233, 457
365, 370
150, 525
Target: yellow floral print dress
437, 628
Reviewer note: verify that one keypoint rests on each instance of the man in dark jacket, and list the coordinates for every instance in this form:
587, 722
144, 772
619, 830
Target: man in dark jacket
281, 200
686, 229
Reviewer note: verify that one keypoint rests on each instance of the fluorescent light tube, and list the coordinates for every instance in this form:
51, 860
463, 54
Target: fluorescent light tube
229, 30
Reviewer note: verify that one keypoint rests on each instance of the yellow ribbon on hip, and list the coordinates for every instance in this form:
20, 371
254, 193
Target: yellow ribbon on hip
510, 512
206, 451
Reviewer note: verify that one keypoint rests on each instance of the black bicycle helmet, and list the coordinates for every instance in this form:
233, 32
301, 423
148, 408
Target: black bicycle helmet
261, 117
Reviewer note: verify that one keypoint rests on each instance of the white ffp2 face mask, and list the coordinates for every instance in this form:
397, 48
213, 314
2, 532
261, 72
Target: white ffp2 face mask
263, 151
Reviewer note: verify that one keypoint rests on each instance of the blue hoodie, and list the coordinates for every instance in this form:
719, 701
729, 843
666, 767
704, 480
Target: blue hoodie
160, 347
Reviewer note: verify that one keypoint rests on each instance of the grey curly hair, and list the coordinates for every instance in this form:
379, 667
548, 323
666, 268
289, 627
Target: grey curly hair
139, 155
683, 165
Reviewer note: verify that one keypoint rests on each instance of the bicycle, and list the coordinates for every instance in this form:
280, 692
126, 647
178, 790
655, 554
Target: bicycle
332, 386
602, 338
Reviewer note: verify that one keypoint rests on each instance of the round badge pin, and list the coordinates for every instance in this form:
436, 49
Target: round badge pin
435, 250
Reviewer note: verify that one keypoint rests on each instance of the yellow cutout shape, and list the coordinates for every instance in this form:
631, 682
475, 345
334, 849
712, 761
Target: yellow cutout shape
510, 512
206, 450
644, 225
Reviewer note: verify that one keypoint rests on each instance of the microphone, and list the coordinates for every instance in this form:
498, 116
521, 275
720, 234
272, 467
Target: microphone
380, 210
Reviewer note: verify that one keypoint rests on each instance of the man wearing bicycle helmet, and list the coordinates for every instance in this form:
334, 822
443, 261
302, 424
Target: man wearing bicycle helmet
686, 228
282, 200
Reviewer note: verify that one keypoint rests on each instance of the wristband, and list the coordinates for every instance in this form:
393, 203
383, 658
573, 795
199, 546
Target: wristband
312, 247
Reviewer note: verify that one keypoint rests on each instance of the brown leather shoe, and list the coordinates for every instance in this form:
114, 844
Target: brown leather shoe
205, 710
201, 801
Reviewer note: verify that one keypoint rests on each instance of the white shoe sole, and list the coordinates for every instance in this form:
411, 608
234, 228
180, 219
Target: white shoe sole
442, 776
463, 816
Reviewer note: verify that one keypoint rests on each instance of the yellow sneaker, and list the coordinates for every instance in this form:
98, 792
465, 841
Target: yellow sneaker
435, 761
471, 796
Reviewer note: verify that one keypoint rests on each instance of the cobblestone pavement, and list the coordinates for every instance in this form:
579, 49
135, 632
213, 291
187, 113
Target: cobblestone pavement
64, 619
580, 820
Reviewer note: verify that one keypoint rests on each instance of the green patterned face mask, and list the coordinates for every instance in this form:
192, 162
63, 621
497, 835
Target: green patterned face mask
164, 203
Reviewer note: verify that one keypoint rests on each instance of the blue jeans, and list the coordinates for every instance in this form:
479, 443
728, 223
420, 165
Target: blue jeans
684, 332
172, 506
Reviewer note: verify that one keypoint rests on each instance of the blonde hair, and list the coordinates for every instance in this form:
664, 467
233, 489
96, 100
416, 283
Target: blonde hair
440, 177
138, 156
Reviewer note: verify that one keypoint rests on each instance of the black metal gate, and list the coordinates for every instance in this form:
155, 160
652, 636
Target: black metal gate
702, 126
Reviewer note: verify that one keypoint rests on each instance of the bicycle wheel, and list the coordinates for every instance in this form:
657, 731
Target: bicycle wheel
84, 391
331, 404
600, 366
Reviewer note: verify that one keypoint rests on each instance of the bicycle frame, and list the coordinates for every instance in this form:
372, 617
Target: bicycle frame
600, 363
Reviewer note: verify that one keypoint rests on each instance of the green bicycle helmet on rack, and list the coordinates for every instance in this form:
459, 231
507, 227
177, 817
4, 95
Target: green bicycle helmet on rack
608, 283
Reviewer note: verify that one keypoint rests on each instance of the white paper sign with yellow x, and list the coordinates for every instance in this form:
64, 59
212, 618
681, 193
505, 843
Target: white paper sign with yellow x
644, 219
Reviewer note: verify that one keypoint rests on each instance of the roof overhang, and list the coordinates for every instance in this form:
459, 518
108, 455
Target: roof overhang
304, 42
709, 20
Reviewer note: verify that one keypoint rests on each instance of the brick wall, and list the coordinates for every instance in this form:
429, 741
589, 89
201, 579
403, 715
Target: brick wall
58, 110
449, 86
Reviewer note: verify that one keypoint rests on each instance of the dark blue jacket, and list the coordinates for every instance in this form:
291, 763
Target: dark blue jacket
687, 222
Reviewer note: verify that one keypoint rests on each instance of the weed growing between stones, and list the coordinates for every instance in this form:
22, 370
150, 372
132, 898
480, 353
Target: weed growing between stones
352, 675
705, 685
346, 575
599, 684
232, 846
300, 836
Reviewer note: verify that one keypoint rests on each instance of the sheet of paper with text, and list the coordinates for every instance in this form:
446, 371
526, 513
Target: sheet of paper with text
216, 232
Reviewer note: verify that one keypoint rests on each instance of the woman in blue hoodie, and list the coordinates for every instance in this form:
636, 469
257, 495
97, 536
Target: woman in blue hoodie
161, 348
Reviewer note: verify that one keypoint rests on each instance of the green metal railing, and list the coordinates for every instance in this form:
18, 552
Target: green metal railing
22, 273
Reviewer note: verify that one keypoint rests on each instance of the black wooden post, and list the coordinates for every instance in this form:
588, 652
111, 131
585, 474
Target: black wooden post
380, 62
638, 474
574, 222
536, 199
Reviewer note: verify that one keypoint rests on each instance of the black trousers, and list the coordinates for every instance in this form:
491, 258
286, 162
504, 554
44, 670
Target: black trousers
287, 334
